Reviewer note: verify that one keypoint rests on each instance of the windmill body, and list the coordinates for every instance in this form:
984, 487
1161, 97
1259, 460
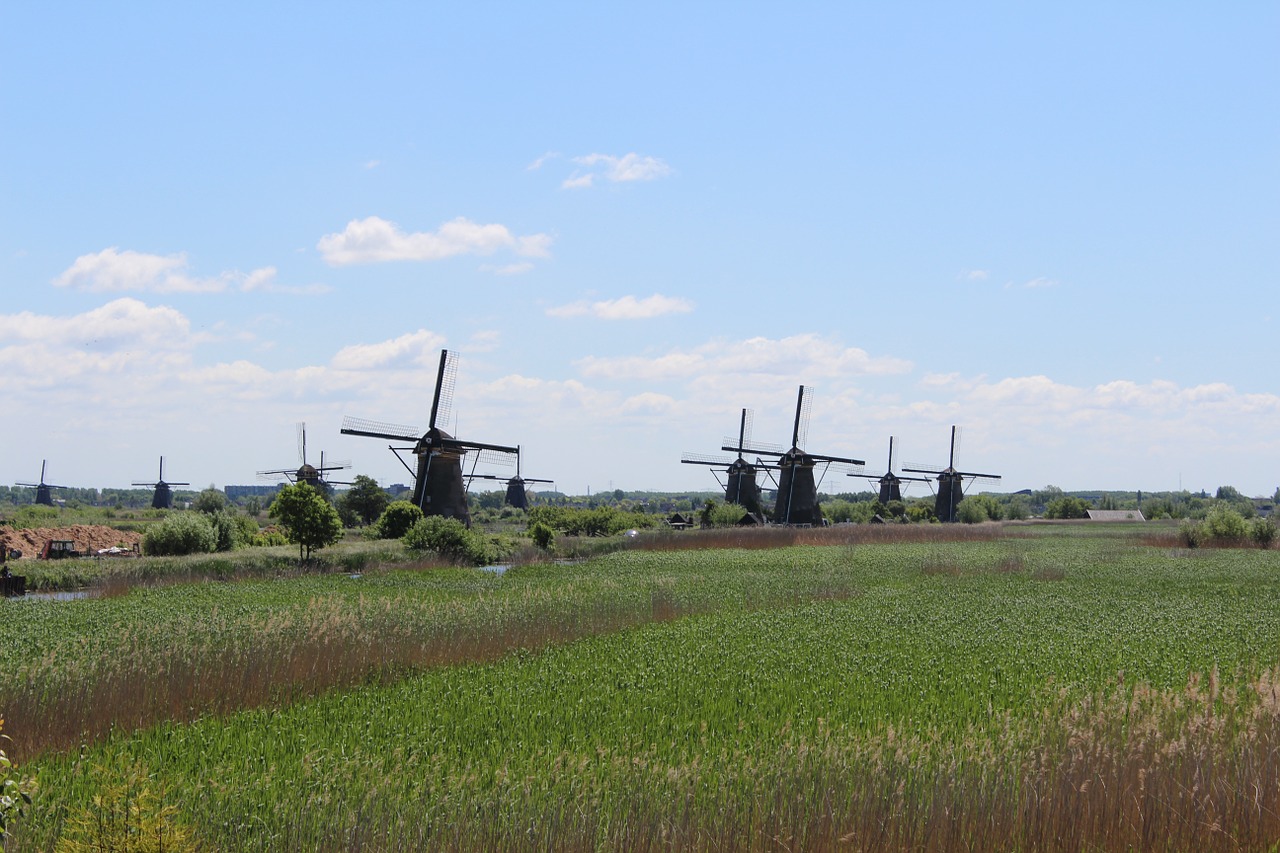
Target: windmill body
890, 483
314, 476
44, 491
440, 486
950, 485
162, 497
516, 495
797, 481
740, 485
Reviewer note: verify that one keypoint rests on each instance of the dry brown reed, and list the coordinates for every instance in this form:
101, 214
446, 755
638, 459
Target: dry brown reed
760, 538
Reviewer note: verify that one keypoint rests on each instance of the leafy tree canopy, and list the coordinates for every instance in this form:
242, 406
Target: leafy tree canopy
309, 521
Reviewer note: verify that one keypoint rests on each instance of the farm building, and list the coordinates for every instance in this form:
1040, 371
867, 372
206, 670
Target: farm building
1116, 515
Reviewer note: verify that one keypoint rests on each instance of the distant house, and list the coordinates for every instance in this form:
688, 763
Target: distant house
751, 519
679, 522
1115, 515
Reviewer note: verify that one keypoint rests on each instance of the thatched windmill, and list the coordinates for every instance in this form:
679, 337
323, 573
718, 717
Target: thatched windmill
950, 483
312, 475
890, 483
44, 491
162, 498
439, 485
797, 501
740, 486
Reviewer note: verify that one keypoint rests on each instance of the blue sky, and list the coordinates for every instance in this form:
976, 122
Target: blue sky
1056, 227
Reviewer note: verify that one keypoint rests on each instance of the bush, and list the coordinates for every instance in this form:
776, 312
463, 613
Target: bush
233, 530
543, 536
396, 520
1263, 532
970, 511
451, 539
1191, 533
181, 533
1067, 507
267, 538
1225, 525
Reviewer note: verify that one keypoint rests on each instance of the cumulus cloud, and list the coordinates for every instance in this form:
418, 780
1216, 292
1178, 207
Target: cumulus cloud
607, 167
625, 308
112, 270
974, 275
415, 348
376, 240
806, 355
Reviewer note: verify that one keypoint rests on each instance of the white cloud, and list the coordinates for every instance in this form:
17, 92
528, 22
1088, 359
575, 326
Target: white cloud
803, 357
624, 169
542, 161
416, 348
974, 275
1039, 283
376, 240
112, 270
625, 308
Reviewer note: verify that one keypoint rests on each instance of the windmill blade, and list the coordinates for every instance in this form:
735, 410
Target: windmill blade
708, 459
478, 445
378, 429
28, 485
804, 405
490, 456
759, 447
302, 442
536, 480
956, 435
852, 469
974, 475
446, 379
177, 484
924, 468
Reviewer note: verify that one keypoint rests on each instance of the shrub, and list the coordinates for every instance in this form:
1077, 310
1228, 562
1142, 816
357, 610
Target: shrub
181, 533
233, 530
269, 537
449, 538
1067, 507
1263, 532
970, 511
543, 536
396, 520
1191, 533
129, 813
1224, 524
15, 792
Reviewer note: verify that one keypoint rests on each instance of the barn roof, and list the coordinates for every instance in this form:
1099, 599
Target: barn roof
1116, 515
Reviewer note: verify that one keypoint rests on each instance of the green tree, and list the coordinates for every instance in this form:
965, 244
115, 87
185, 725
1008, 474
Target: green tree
309, 521
210, 500
1067, 507
367, 498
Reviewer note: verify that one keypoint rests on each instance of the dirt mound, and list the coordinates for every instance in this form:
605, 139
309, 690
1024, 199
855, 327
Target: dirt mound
88, 537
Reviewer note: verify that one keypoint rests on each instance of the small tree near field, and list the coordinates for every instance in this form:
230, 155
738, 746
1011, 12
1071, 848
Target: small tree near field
309, 521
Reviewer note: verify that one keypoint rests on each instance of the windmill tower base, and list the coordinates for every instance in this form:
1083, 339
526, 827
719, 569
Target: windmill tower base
439, 488
797, 493
743, 488
950, 493
516, 496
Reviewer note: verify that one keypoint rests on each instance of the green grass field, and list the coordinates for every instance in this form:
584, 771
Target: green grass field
1050, 687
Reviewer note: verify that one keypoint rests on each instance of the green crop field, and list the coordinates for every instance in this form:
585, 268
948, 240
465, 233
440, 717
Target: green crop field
1051, 687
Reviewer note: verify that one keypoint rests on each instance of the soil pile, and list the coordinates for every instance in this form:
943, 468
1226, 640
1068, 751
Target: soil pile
89, 538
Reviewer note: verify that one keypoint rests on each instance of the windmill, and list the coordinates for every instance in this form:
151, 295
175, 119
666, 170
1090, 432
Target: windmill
163, 497
740, 486
950, 483
797, 501
312, 475
439, 486
516, 495
891, 483
44, 491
